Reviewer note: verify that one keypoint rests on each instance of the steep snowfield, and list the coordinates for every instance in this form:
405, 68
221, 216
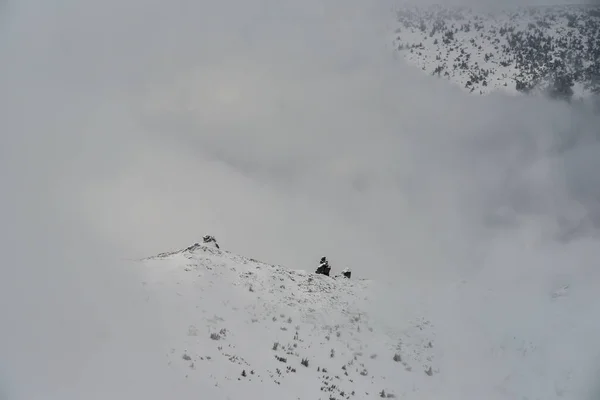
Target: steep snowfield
512, 51
243, 328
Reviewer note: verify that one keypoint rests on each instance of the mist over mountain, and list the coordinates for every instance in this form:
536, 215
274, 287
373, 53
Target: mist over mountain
290, 131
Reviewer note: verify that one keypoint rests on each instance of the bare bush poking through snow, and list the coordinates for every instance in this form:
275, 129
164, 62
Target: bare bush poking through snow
304, 362
215, 336
281, 359
397, 357
275, 346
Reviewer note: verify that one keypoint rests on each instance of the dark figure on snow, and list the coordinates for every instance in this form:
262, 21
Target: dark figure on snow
324, 267
347, 273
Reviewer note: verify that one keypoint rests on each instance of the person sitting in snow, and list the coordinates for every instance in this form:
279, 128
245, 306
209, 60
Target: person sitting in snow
324, 267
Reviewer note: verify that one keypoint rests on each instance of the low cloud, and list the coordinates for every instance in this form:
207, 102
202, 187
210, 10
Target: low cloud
287, 130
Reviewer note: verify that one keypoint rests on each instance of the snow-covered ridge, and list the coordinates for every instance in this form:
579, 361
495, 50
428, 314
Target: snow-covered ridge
555, 49
255, 330
238, 328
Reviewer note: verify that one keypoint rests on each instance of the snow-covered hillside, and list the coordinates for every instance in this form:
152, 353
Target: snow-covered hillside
553, 49
250, 330
255, 330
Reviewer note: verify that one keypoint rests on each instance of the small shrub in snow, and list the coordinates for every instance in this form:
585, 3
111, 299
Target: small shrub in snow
244, 373
364, 372
304, 362
289, 320
275, 346
215, 336
397, 357
373, 356
429, 371
281, 359
338, 334
186, 357
332, 353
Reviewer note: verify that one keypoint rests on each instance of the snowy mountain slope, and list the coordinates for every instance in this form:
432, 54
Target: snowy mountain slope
246, 327
554, 49
250, 330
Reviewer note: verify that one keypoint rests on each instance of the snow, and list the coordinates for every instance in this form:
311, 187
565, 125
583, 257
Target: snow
244, 328
248, 306
481, 40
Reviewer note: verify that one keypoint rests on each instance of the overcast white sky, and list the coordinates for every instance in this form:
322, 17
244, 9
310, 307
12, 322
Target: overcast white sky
286, 129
